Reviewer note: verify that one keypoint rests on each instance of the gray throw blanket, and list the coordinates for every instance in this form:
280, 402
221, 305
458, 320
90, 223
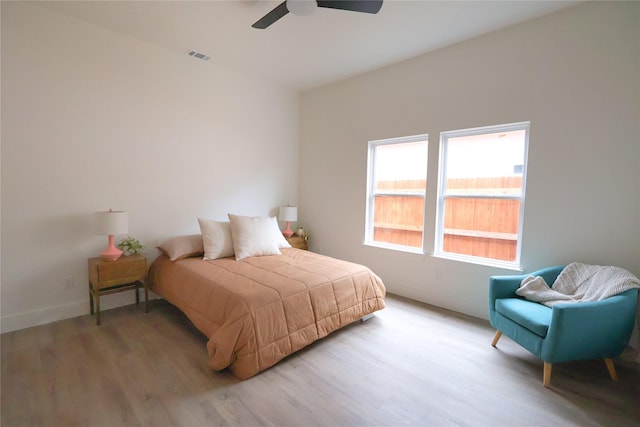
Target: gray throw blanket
579, 283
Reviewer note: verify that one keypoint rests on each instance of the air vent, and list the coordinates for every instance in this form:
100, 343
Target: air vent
199, 55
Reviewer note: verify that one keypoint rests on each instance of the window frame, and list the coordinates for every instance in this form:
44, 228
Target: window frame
442, 195
372, 194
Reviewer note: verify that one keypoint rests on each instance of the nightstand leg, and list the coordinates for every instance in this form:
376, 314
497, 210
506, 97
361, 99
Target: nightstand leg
90, 299
146, 297
137, 293
97, 294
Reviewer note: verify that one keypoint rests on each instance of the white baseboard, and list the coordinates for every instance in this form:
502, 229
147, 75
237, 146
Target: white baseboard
41, 316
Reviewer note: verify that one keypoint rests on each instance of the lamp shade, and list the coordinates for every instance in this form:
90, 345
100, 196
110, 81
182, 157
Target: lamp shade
111, 223
288, 213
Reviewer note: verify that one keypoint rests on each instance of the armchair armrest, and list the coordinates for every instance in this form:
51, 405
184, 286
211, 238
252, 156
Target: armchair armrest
590, 330
504, 287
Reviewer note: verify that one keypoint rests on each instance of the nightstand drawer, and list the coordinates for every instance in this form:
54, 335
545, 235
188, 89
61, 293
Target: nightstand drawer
297, 242
121, 271
124, 270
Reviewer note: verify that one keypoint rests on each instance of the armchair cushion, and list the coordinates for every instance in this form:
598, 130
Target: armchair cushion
533, 316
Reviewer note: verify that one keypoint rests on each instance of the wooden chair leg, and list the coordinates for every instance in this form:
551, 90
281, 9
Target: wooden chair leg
611, 368
496, 338
546, 376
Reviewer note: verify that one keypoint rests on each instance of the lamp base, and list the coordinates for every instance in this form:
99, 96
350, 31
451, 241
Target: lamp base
111, 253
287, 232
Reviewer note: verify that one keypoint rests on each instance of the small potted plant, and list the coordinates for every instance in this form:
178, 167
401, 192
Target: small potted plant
300, 231
130, 246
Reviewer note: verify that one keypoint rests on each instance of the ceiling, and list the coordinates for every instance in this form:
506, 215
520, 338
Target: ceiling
304, 52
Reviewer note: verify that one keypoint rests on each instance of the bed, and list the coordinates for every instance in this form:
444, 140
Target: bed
258, 310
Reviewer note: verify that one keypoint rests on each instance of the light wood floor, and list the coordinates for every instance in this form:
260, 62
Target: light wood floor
410, 365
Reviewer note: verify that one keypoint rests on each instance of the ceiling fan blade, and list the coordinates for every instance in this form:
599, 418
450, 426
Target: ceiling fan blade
366, 6
271, 17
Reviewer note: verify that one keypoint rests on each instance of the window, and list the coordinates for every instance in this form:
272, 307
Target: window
481, 194
396, 189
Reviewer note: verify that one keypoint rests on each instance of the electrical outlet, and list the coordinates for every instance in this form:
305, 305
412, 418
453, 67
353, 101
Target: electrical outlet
438, 274
69, 283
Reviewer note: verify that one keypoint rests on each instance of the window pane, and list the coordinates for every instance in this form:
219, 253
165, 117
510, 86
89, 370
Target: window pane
401, 168
481, 227
487, 164
398, 220
398, 171
482, 192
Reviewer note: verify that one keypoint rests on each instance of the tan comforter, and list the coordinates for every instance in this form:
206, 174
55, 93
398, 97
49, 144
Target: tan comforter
259, 310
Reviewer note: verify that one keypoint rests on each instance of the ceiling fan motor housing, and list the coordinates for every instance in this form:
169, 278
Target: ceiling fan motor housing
307, 7
302, 7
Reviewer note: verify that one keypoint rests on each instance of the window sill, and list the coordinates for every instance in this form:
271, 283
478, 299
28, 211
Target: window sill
480, 261
452, 257
399, 248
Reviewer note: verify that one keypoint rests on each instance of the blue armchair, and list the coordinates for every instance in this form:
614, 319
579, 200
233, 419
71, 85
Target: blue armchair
573, 331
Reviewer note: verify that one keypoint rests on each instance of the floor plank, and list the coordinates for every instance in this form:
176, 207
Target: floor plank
411, 364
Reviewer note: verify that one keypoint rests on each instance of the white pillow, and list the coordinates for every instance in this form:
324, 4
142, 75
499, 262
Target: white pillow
256, 236
282, 241
216, 239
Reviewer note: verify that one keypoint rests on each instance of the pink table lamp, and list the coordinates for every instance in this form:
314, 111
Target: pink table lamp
109, 224
288, 213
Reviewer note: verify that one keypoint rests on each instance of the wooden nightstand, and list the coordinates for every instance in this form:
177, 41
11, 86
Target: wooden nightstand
297, 242
110, 277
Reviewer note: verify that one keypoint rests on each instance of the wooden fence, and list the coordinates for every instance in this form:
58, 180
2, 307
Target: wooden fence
485, 228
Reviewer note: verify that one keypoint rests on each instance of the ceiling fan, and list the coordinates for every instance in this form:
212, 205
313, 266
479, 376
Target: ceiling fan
307, 7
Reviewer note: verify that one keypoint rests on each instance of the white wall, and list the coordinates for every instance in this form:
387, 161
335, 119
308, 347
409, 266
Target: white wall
93, 120
573, 74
